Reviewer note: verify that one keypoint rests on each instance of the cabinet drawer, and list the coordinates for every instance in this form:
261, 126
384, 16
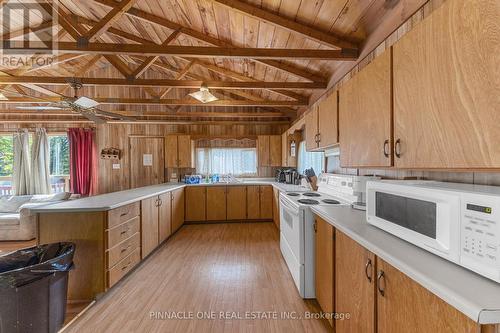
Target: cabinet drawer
121, 214
122, 250
123, 231
123, 267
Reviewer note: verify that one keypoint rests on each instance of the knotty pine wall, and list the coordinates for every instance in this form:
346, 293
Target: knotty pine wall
117, 135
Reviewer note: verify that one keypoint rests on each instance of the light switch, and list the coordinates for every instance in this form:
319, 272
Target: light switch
116, 166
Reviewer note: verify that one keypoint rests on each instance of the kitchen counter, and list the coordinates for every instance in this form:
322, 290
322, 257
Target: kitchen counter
475, 296
108, 201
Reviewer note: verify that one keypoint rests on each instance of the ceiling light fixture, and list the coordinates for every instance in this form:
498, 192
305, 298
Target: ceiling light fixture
203, 95
3, 98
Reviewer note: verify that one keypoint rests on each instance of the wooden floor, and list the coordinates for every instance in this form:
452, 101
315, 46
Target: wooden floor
234, 268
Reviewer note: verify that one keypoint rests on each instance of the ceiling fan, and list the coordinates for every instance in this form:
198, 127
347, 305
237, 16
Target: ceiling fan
204, 95
85, 106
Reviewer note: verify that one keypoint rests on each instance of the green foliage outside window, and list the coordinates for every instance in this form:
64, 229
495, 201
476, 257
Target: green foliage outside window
6, 155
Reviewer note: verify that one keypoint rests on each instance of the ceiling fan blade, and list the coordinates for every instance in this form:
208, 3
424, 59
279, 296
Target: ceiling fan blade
93, 117
114, 115
39, 107
86, 103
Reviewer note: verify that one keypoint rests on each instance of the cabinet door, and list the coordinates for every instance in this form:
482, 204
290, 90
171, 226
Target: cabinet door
177, 209
311, 120
184, 151
284, 149
406, 306
263, 150
446, 89
165, 217
276, 207
236, 202
354, 285
196, 203
216, 203
266, 202
365, 116
253, 202
327, 121
149, 225
275, 150
324, 254
171, 152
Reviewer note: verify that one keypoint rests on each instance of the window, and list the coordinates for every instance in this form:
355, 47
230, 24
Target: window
6, 163
234, 161
59, 162
307, 160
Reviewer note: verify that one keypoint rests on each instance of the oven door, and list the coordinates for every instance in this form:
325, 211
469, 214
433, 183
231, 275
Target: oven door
427, 218
292, 227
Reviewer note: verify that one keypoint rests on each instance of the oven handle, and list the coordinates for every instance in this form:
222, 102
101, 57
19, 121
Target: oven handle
287, 207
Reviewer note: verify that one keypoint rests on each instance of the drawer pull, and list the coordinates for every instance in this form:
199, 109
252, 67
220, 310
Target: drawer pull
125, 248
125, 231
368, 268
126, 266
380, 278
124, 214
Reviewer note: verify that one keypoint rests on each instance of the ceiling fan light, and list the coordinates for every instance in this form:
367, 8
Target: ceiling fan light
85, 103
3, 97
203, 95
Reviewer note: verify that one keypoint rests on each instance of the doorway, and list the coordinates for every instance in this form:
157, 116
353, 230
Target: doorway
147, 161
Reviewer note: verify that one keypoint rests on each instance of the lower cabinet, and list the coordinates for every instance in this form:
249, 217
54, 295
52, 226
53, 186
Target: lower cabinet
216, 203
177, 209
324, 268
164, 216
253, 202
236, 202
196, 201
260, 202
149, 225
354, 285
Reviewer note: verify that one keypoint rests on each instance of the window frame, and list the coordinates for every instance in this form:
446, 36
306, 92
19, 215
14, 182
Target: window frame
240, 174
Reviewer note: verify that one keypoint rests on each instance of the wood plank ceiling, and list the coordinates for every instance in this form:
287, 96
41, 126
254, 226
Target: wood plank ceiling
265, 59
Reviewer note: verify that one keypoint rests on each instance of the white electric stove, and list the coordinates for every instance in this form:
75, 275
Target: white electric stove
297, 222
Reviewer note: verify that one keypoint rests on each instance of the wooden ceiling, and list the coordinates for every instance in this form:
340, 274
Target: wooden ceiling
266, 60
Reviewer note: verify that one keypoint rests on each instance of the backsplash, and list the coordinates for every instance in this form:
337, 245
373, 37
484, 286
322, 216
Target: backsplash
481, 178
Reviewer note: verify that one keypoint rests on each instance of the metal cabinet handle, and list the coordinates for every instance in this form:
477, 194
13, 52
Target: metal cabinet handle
319, 137
386, 148
397, 148
380, 278
368, 268
315, 225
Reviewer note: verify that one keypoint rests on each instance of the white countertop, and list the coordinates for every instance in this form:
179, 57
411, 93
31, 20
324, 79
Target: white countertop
108, 201
473, 295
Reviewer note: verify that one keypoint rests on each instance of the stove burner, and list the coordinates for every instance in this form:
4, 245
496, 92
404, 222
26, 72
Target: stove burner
293, 194
308, 201
311, 194
331, 201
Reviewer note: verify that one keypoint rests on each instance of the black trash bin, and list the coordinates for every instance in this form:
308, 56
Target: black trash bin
33, 288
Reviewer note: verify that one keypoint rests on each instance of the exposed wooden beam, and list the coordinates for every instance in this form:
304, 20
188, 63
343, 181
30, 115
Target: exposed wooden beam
206, 52
118, 64
59, 80
150, 122
156, 101
108, 20
292, 69
56, 61
290, 25
179, 76
150, 60
27, 30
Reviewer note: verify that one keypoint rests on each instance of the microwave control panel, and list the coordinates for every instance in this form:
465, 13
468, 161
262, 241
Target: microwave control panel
480, 233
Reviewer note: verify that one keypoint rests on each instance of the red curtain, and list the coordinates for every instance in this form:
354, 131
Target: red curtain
83, 161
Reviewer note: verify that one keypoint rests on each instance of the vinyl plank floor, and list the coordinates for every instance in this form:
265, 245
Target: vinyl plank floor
216, 273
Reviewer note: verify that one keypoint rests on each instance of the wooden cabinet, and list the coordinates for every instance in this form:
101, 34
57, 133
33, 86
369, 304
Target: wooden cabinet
269, 150
284, 149
321, 124
276, 207
216, 203
177, 209
365, 116
196, 203
260, 202
179, 151
324, 265
354, 285
236, 202
446, 89
164, 216
405, 306
149, 225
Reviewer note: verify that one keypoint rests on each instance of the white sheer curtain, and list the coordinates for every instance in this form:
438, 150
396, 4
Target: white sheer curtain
235, 161
40, 168
307, 160
21, 170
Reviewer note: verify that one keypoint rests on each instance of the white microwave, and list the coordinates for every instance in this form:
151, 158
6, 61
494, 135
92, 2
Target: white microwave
459, 222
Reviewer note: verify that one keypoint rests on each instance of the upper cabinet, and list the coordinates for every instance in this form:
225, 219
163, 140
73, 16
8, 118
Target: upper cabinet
321, 124
179, 151
269, 150
446, 89
286, 148
365, 116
